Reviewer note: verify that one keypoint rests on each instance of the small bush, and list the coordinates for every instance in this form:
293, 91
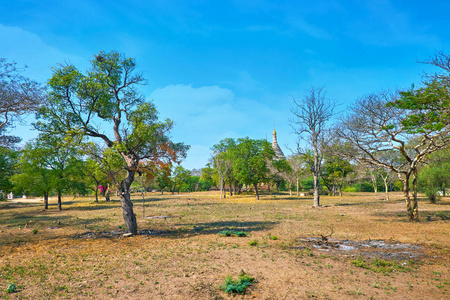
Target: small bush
35, 231
233, 233
12, 288
238, 286
253, 243
273, 237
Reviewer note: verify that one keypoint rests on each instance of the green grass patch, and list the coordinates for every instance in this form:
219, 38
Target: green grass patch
380, 266
238, 286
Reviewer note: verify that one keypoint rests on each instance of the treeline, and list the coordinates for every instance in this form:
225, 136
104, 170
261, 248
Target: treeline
98, 134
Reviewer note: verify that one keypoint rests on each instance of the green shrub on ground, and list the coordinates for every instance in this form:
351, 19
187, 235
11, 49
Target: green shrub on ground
238, 286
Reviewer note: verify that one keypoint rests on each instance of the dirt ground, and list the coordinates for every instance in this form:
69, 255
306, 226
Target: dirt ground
357, 246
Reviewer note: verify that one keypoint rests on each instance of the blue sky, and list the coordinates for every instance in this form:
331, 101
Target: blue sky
230, 68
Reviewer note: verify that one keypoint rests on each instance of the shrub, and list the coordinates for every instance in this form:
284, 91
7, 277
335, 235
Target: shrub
233, 233
12, 288
238, 286
253, 243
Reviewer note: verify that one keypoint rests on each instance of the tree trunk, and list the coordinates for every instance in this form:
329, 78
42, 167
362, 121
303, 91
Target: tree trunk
231, 191
256, 191
298, 186
45, 200
415, 208
411, 207
59, 200
386, 187
316, 191
96, 193
127, 205
316, 174
107, 194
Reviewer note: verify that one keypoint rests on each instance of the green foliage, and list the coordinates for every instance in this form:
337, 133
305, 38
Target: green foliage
233, 233
8, 158
428, 105
250, 162
380, 266
12, 288
253, 242
434, 177
238, 286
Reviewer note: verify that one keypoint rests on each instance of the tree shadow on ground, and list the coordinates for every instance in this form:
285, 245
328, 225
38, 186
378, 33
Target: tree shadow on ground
292, 198
216, 227
424, 215
198, 229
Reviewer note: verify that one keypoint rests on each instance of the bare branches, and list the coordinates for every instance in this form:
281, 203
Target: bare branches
18, 95
311, 116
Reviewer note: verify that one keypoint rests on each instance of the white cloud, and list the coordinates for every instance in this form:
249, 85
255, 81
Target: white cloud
203, 116
27, 48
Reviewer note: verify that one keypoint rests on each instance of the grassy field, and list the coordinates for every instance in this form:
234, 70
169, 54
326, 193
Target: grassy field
80, 253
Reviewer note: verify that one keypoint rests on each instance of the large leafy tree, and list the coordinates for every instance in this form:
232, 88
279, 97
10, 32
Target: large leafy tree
104, 103
223, 155
251, 162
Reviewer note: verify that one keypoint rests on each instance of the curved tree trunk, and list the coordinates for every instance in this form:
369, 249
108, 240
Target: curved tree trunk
127, 205
256, 191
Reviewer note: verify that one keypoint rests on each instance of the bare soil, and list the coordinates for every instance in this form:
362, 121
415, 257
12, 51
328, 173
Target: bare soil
357, 246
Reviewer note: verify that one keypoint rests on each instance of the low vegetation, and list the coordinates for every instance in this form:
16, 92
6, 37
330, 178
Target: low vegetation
80, 252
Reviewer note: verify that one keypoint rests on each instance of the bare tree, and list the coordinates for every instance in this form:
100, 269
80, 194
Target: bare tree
310, 121
374, 129
18, 95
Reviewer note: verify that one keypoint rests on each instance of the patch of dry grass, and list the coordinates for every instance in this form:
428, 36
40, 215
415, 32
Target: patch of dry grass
47, 255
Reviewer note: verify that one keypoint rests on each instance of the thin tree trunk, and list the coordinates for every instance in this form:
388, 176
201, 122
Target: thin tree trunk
386, 187
96, 193
45, 200
316, 191
298, 186
108, 194
415, 208
256, 191
316, 174
59, 200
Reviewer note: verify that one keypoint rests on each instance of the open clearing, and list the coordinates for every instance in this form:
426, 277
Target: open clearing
368, 250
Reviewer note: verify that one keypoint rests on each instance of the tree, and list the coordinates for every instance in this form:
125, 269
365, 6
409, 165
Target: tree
251, 161
334, 173
374, 128
18, 95
311, 116
8, 158
223, 161
296, 171
104, 104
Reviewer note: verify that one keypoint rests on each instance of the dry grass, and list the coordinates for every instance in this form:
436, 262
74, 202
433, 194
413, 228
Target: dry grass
52, 254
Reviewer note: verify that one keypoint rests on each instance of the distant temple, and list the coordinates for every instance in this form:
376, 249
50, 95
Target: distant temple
279, 154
